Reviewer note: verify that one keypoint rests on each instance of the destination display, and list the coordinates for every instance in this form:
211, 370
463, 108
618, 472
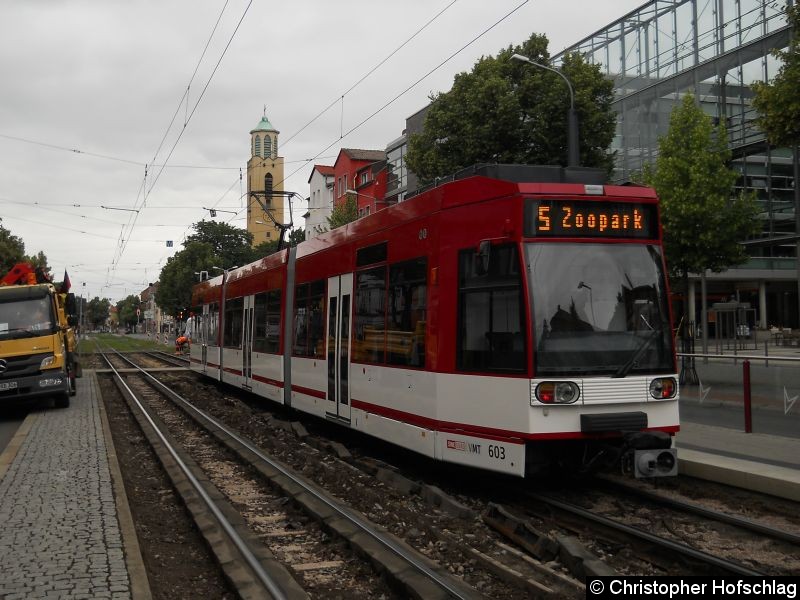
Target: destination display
582, 218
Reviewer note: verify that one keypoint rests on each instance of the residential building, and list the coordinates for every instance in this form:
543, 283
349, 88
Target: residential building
320, 200
370, 188
351, 173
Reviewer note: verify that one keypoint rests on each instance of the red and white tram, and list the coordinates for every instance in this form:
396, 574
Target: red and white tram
499, 320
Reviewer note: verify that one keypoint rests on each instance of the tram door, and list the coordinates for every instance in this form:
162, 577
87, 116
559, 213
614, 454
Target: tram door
204, 327
247, 341
340, 293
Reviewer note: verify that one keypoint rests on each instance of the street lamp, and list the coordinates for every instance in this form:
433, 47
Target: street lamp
573, 156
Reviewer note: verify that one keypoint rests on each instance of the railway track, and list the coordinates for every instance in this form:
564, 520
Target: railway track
287, 554
674, 534
556, 572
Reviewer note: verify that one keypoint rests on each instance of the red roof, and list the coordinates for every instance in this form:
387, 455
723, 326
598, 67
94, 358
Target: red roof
323, 169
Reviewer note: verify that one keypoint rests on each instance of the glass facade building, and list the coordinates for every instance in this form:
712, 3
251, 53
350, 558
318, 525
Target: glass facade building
714, 49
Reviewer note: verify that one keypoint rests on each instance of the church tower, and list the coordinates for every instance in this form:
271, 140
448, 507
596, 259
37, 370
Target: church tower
264, 183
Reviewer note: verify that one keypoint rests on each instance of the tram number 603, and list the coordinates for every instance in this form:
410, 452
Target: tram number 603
497, 452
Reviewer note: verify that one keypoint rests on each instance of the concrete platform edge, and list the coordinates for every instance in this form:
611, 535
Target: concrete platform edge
759, 477
8, 455
140, 585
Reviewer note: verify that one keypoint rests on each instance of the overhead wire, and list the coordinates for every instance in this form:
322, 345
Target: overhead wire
180, 135
367, 74
410, 87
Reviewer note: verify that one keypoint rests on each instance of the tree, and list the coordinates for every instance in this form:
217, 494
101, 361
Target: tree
778, 106
179, 275
271, 247
126, 311
703, 221
97, 311
296, 236
40, 260
778, 102
512, 112
231, 244
344, 212
12, 250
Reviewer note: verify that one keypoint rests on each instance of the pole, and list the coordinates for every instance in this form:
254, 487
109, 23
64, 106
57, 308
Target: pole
704, 313
796, 173
573, 152
748, 408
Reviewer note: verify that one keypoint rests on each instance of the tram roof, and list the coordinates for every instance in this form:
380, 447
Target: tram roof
475, 184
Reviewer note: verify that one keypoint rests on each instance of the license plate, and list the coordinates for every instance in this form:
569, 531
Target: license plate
7, 385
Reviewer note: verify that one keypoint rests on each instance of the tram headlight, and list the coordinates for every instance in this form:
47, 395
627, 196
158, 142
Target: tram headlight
663, 388
557, 392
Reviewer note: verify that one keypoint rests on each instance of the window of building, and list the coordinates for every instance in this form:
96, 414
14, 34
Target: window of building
490, 336
267, 146
257, 151
396, 174
309, 320
234, 309
364, 177
268, 187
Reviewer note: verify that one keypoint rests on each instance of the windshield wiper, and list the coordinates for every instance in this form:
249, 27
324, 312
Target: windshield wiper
625, 369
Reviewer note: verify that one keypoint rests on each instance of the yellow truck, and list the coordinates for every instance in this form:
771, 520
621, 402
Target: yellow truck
37, 338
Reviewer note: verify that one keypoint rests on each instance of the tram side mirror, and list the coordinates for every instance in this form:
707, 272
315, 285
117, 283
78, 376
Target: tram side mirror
70, 304
482, 256
72, 320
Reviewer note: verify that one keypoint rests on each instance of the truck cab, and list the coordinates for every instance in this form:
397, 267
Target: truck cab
37, 342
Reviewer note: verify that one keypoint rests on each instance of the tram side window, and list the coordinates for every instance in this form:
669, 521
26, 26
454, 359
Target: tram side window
213, 324
407, 312
370, 316
309, 326
260, 322
273, 321
490, 333
197, 320
267, 322
233, 323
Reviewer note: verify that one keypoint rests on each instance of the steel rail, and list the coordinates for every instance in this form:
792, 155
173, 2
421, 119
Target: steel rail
363, 525
265, 578
708, 513
683, 549
167, 358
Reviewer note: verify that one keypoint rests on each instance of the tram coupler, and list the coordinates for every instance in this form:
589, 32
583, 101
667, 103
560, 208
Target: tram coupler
649, 454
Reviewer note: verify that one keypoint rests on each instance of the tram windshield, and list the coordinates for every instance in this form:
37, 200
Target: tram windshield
599, 309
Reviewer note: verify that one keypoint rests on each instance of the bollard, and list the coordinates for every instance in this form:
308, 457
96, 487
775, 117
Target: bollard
748, 408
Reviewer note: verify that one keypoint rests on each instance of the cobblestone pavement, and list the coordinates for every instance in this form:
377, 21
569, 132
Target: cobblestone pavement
59, 534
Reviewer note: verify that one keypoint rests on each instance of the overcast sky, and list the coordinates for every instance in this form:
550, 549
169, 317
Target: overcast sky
88, 90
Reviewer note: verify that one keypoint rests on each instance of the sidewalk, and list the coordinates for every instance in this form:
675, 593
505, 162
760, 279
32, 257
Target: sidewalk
65, 527
764, 463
